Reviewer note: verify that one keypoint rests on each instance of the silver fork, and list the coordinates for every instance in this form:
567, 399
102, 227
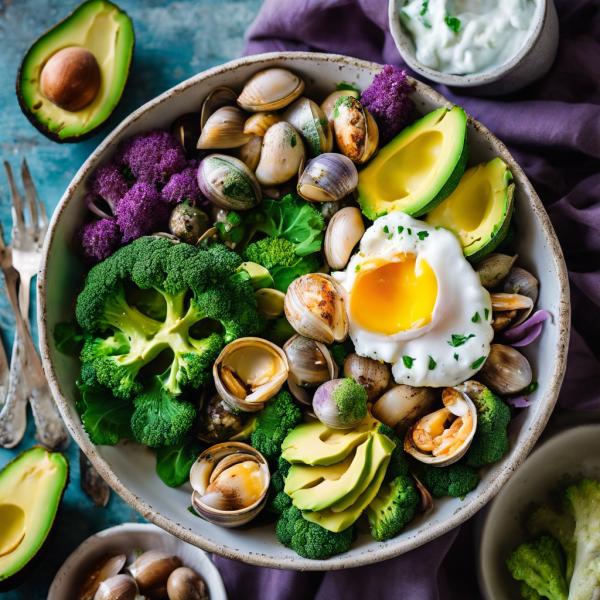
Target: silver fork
26, 373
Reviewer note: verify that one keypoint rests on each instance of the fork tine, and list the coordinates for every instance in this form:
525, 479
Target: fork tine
30, 194
16, 199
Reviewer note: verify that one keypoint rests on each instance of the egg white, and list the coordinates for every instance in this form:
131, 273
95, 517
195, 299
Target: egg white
460, 297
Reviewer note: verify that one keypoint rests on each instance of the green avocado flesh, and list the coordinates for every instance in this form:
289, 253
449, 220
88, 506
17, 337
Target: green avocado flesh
419, 168
31, 489
479, 210
107, 32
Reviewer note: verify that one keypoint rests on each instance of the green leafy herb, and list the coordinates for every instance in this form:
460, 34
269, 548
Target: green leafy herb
422, 235
68, 336
531, 388
357, 268
173, 463
475, 317
400, 229
424, 9
343, 86
408, 361
455, 356
459, 340
409, 231
478, 363
386, 229
432, 364
390, 236
487, 313
453, 23
437, 228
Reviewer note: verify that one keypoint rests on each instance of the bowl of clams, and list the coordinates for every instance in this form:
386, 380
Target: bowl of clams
303, 312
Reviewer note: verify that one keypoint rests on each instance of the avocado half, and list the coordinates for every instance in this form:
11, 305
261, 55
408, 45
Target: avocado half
479, 210
419, 168
103, 29
31, 490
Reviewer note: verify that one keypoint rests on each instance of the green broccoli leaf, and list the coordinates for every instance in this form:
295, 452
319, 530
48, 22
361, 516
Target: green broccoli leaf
68, 336
173, 463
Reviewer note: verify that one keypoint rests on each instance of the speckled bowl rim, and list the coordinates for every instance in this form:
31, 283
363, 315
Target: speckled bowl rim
402, 43
391, 549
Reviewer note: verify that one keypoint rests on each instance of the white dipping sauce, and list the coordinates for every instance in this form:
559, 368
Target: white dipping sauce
490, 32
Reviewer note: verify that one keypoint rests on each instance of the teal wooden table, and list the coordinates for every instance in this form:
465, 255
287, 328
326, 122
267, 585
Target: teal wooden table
174, 40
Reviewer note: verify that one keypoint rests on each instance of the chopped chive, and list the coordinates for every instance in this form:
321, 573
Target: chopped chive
475, 317
432, 364
478, 363
408, 361
487, 313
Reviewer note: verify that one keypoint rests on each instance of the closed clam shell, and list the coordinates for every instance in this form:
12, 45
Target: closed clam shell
373, 375
250, 152
328, 178
494, 268
506, 370
344, 231
217, 98
151, 572
309, 121
282, 154
356, 132
224, 129
270, 89
258, 123
215, 461
315, 306
103, 568
309, 361
119, 587
328, 105
522, 282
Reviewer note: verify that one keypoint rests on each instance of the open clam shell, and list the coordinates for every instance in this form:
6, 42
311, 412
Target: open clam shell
356, 132
309, 121
217, 98
250, 371
240, 498
270, 89
456, 403
328, 105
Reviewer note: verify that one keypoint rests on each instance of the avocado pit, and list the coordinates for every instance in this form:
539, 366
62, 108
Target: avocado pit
71, 78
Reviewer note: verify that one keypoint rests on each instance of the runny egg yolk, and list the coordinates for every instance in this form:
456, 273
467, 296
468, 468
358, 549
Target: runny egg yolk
392, 297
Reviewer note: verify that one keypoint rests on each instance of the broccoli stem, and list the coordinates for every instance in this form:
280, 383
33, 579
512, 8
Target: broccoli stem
130, 321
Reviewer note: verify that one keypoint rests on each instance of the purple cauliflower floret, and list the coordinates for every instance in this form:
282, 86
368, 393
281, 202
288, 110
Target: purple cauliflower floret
97, 240
141, 211
184, 186
387, 100
152, 156
110, 184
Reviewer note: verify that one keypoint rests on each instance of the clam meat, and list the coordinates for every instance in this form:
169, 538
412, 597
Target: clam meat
218, 421
356, 132
328, 105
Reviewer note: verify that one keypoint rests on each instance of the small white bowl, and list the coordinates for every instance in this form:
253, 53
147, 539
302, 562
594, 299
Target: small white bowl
532, 62
567, 457
128, 538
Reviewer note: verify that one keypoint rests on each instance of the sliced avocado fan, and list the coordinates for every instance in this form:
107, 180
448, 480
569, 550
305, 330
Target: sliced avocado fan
31, 490
419, 168
82, 63
479, 210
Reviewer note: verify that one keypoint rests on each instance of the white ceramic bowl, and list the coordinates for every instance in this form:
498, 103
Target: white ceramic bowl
531, 62
128, 538
129, 468
564, 458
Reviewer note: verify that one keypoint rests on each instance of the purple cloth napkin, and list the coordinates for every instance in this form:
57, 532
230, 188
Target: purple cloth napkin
552, 128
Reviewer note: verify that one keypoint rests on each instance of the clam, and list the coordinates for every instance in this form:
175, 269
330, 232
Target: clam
328, 105
501, 320
309, 361
403, 405
119, 587
217, 98
151, 571
271, 89
248, 372
231, 483
208, 238
219, 422
327, 409
506, 370
522, 282
356, 132
282, 154
512, 302
188, 223
328, 178
315, 306
258, 123
270, 302
250, 152
425, 499
228, 182
308, 120
103, 568
344, 231
442, 437
328, 209
224, 129
186, 129
186, 584
494, 268
373, 375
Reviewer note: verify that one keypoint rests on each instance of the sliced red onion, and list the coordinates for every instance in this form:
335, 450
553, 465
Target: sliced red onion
526, 332
519, 402
90, 201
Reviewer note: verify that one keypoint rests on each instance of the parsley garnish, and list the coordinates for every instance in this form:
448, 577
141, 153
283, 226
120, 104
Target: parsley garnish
455, 356
386, 229
478, 363
422, 235
475, 317
437, 228
357, 268
343, 87
432, 364
487, 313
459, 340
390, 236
400, 229
424, 9
453, 23
531, 388
409, 231
408, 361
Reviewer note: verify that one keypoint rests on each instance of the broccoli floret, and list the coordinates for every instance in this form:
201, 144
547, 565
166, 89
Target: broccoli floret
455, 480
529, 593
95, 347
159, 418
540, 565
183, 187
351, 401
340, 351
273, 423
310, 540
393, 507
96, 241
490, 442
583, 503
398, 466
110, 184
278, 499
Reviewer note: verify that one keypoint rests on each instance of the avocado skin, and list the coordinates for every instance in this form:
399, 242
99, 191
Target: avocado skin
31, 117
15, 580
